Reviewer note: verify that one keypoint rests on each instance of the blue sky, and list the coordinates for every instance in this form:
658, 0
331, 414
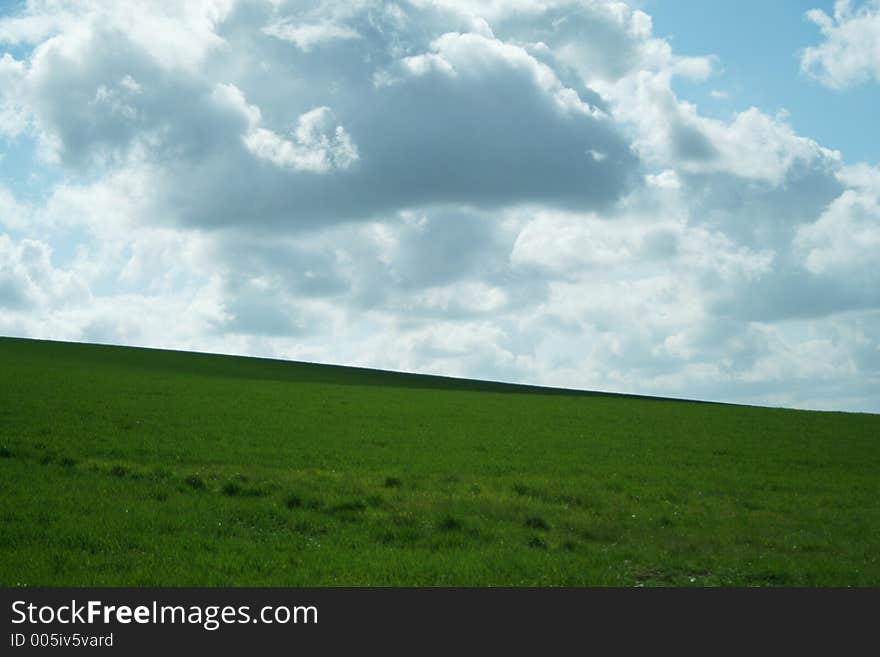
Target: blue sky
672, 198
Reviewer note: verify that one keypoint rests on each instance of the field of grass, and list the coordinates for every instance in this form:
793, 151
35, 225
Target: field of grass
122, 466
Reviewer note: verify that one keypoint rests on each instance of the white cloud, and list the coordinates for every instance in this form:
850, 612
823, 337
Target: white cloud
845, 240
307, 36
850, 53
13, 215
175, 35
672, 133
317, 146
479, 56
13, 112
666, 179
28, 280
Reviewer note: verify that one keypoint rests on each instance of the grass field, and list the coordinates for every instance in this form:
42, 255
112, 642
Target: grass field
122, 466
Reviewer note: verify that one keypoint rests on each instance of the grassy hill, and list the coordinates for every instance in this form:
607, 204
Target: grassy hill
123, 466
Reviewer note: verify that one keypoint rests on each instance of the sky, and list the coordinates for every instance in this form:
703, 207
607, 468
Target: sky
664, 198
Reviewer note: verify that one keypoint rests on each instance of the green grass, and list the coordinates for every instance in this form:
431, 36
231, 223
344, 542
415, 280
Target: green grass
122, 466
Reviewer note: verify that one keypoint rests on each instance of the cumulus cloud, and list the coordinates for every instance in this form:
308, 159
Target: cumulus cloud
850, 52
462, 118
12, 214
28, 279
307, 36
754, 145
13, 112
508, 190
845, 240
315, 145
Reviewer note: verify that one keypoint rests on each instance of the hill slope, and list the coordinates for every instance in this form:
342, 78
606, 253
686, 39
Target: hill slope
123, 466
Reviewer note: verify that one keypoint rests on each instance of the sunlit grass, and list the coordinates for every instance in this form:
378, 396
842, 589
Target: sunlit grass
126, 467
